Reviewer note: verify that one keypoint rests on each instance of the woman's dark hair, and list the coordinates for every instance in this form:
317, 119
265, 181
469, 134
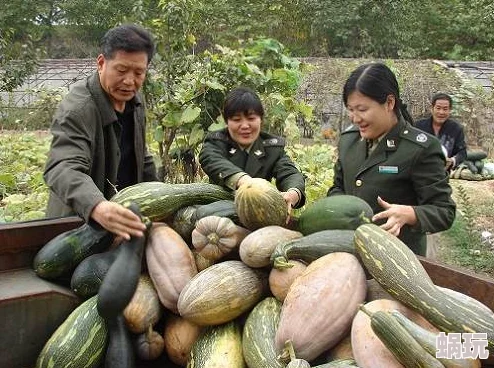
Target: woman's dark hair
442, 96
129, 38
376, 81
242, 100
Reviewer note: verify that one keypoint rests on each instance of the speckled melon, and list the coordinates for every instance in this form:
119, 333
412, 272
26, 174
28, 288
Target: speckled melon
258, 203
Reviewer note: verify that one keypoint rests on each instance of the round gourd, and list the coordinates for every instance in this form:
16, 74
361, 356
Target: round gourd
179, 335
281, 279
256, 249
149, 345
259, 204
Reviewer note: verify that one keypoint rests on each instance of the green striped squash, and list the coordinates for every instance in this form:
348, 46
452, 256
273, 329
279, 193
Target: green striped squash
258, 204
397, 269
258, 335
157, 200
79, 342
343, 212
218, 346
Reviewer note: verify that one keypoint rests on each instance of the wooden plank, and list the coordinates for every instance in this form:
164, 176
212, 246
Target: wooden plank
20, 241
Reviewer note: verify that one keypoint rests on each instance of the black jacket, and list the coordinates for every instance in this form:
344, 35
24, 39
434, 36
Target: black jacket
450, 135
221, 157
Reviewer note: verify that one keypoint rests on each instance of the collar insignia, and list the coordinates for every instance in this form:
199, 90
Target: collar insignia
421, 138
258, 153
390, 143
232, 151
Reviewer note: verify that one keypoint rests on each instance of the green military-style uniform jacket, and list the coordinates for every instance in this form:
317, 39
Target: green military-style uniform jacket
221, 157
82, 165
406, 167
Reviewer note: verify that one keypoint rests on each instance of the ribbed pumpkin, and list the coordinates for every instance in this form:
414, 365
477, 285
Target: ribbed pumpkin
259, 204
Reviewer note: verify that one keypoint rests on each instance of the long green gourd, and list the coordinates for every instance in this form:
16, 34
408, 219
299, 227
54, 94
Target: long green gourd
397, 269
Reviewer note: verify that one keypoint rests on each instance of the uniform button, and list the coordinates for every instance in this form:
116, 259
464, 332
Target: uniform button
358, 183
221, 175
405, 131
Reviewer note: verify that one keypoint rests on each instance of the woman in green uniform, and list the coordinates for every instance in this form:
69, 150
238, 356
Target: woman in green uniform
241, 151
383, 159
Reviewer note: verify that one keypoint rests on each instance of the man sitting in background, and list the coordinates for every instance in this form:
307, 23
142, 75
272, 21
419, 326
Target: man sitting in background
449, 132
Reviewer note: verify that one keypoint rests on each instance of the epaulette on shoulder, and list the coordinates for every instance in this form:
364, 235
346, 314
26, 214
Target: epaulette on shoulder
218, 135
351, 129
417, 136
273, 142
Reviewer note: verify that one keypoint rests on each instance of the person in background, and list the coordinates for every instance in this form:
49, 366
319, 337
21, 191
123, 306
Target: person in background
241, 151
98, 144
449, 132
397, 169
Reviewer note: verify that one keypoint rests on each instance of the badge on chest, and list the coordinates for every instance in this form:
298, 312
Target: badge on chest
388, 169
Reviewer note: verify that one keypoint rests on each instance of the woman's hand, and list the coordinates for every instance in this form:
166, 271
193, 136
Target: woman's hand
291, 198
396, 215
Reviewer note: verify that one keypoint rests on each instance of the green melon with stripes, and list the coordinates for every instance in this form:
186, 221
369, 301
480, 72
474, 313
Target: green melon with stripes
218, 346
158, 201
258, 336
79, 342
258, 204
398, 270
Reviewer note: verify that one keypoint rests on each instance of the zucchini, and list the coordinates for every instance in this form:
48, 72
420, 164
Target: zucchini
427, 340
121, 280
120, 350
89, 274
218, 346
183, 222
158, 201
222, 208
80, 341
311, 247
476, 155
396, 268
343, 211
340, 363
61, 255
396, 338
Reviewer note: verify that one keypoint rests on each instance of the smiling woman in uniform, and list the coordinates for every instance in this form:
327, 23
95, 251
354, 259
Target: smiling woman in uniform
383, 159
241, 151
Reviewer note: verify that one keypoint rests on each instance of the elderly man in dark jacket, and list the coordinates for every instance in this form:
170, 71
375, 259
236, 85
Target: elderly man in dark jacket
449, 132
98, 144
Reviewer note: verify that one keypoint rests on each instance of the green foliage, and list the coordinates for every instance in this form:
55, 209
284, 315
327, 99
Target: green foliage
23, 193
315, 161
184, 93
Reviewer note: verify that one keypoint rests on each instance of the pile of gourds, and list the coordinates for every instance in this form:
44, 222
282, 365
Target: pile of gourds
225, 282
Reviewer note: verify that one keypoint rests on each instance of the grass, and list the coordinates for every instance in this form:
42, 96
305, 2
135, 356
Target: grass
461, 247
463, 244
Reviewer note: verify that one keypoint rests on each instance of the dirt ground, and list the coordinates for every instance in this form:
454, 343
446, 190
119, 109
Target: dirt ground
481, 197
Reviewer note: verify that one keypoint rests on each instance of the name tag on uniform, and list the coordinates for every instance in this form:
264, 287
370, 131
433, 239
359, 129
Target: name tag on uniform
388, 169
